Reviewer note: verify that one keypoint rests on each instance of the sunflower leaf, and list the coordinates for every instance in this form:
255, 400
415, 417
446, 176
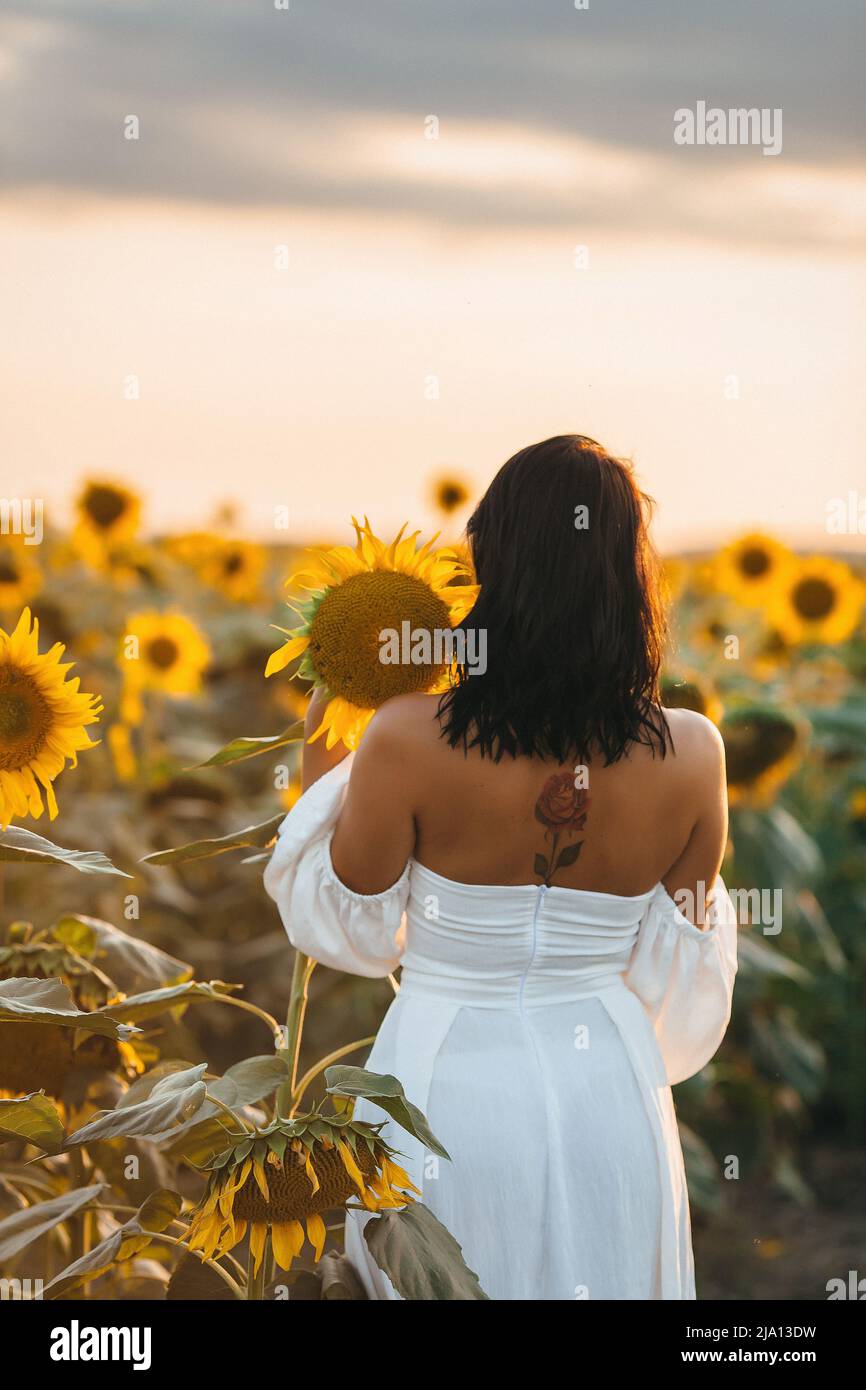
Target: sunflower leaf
24, 1000
156, 1001
421, 1257
174, 1097
17, 844
240, 748
251, 837
386, 1092
23, 1227
154, 1214
34, 1119
132, 963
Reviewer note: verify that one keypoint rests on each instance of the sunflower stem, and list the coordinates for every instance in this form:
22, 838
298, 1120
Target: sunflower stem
303, 969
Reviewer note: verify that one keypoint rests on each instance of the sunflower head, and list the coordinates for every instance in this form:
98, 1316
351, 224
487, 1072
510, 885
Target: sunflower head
164, 652
43, 718
44, 1056
763, 747
820, 601
449, 493
108, 516
356, 594
287, 1176
751, 568
20, 577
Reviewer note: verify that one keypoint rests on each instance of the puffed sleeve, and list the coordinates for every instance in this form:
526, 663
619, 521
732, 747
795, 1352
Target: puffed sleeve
356, 932
684, 977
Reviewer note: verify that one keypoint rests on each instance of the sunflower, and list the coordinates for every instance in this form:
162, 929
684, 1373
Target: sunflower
108, 515
763, 747
43, 717
751, 569
821, 601
449, 493
45, 1056
165, 652
356, 593
691, 690
20, 577
289, 1174
235, 568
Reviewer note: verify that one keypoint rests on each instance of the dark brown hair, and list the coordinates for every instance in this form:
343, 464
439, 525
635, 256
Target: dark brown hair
569, 601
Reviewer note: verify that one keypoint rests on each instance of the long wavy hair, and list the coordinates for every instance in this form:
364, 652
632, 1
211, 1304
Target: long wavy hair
570, 604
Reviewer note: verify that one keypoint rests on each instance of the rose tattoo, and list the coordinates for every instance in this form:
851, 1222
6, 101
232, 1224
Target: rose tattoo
562, 810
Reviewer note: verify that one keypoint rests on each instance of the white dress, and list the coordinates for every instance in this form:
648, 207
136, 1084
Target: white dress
539, 1030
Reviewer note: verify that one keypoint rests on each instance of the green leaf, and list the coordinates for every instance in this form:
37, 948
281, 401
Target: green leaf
34, 1119
194, 1281
49, 1001
251, 837
389, 1095
241, 748
173, 1098
420, 1257
340, 1280
132, 964
761, 959
202, 1139
702, 1170
156, 1001
541, 866
17, 844
157, 1212
23, 1227
785, 1051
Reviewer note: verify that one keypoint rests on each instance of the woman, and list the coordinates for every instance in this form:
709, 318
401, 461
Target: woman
520, 845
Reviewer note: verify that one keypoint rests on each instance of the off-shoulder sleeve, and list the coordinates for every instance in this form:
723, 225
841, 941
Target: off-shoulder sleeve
684, 977
356, 932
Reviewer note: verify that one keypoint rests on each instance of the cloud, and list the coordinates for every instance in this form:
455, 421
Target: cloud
549, 116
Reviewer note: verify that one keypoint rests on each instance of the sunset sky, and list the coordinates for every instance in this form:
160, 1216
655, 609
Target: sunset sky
433, 315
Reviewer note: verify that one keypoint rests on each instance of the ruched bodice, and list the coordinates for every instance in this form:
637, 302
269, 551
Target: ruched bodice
514, 947
540, 1029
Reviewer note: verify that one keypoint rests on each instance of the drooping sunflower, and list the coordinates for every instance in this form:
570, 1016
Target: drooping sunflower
164, 652
356, 594
691, 690
449, 493
43, 718
820, 601
108, 516
287, 1177
752, 568
20, 577
763, 747
46, 1056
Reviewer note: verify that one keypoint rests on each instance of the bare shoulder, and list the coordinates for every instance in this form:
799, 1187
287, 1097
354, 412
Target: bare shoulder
403, 723
697, 743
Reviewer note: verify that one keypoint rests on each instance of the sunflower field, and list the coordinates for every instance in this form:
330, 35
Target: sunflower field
177, 1086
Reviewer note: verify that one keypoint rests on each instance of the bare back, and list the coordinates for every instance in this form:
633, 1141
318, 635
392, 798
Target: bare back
619, 829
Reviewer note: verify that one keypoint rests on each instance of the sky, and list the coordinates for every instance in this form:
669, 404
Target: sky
361, 244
